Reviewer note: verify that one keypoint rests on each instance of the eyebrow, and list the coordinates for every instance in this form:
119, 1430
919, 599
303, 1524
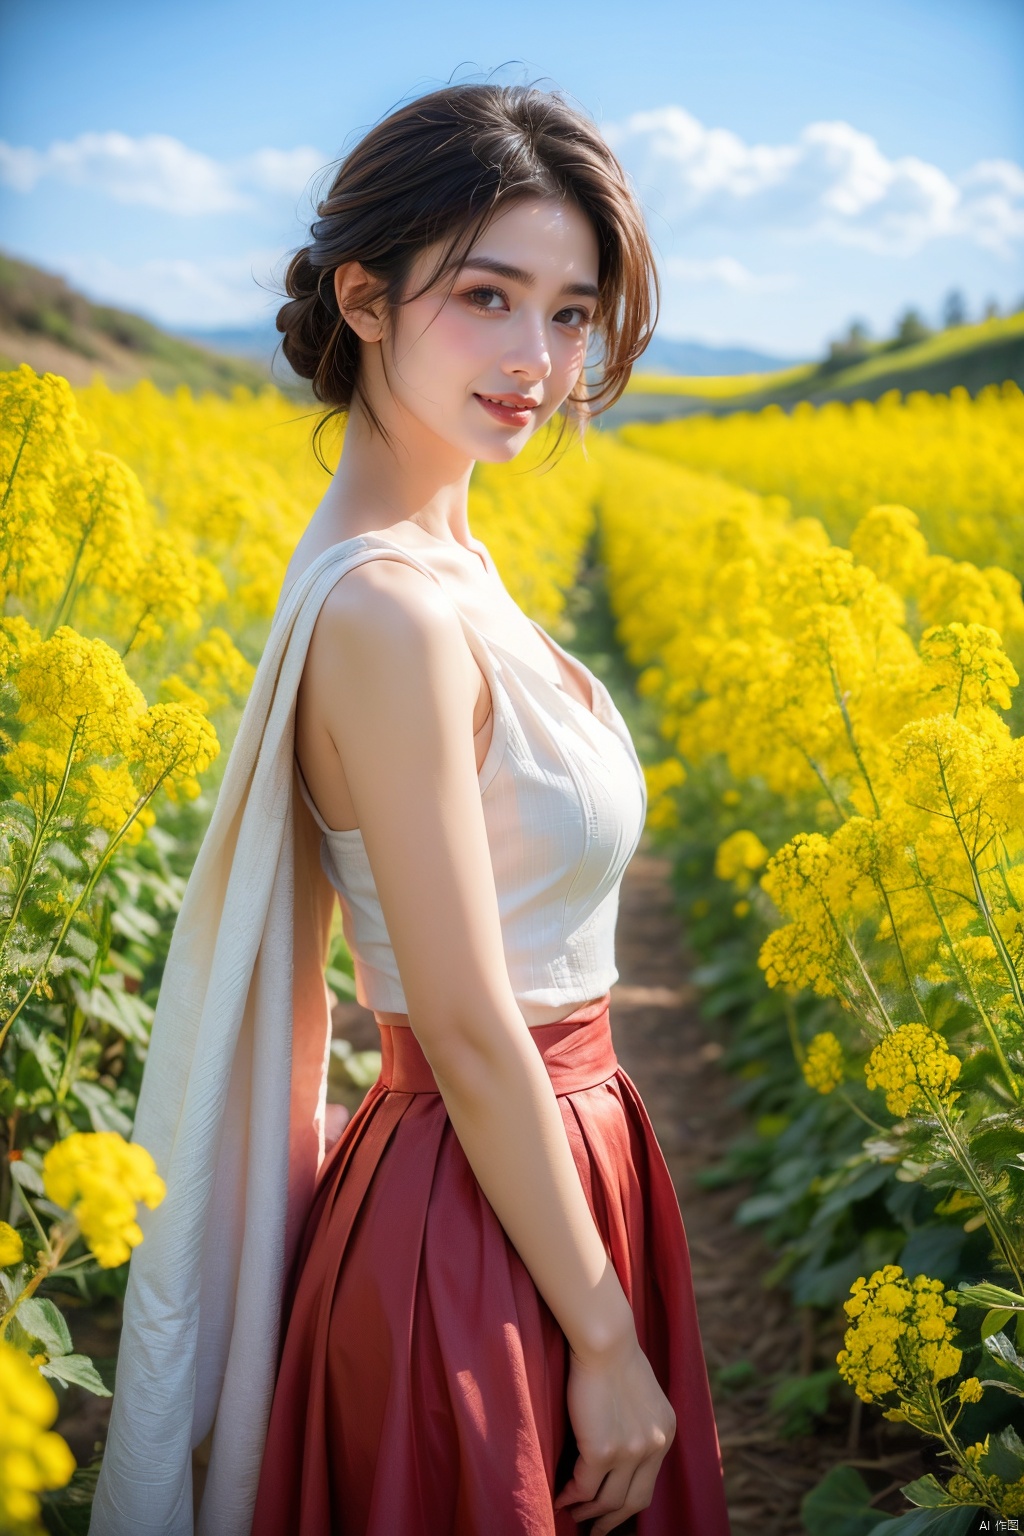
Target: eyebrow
520, 275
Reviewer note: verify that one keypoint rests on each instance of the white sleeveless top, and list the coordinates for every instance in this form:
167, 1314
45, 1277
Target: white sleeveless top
564, 803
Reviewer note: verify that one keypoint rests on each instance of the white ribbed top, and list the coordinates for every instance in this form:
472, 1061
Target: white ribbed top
564, 803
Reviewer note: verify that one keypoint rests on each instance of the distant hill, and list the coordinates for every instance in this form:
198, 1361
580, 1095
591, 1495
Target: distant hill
970, 356
46, 323
695, 359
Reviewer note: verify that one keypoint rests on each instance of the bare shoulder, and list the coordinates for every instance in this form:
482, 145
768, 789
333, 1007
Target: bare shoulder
390, 604
388, 638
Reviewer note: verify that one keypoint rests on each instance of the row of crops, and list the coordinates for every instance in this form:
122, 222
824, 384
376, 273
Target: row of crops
833, 670
824, 614
144, 540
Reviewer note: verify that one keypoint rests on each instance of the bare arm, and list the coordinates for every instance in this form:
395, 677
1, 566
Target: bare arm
387, 696
390, 679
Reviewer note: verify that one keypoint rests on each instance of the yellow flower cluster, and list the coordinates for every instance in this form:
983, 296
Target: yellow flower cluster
98, 1177
32, 1456
173, 743
900, 1338
1007, 1499
12, 1249
77, 695
234, 482
959, 461
914, 1068
823, 1064
864, 686
739, 858
661, 779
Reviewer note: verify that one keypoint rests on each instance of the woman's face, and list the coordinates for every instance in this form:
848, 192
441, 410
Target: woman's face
487, 365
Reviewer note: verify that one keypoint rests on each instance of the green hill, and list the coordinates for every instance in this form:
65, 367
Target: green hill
46, 323
970, 356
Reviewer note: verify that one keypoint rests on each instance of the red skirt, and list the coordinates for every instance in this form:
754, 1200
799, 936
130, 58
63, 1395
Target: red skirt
421, 1386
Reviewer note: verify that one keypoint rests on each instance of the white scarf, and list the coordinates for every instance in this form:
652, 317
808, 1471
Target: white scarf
232, 1108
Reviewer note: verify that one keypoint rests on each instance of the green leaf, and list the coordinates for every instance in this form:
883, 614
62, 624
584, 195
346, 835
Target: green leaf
933, 1250
840, 1506
103, 1112
995, 1321
1008, 1363
930, 1522
927, 1492
77, 1369
997, 1146
988, 1295
23, 1173
1005, 1456
44, 1322
1000, 1348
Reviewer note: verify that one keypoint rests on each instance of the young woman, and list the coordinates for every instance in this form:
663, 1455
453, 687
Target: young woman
486, 1322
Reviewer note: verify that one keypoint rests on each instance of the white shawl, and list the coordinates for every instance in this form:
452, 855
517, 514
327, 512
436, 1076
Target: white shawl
232, 1108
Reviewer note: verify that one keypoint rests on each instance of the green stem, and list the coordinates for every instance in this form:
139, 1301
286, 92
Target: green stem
38, 836
990, 924
868, 981
83, 896
823, 781
990, 1029
858, 1111
67, 1235
841, 698
10, 486
952, 1444
1002, 1238
899, 950
23, 1197
59, 615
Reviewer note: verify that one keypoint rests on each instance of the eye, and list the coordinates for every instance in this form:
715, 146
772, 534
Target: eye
479, 297
578, 316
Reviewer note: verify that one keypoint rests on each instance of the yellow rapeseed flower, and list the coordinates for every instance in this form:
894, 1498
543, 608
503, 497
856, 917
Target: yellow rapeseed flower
98, 1177
173, 743
739, 858
32, 1456
900, 1338
913, 1066
823, 1064
71, 685
12, 1249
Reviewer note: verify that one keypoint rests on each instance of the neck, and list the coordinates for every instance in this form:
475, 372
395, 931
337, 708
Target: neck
409, 476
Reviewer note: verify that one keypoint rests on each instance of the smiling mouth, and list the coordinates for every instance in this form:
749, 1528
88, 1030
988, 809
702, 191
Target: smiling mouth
517, 409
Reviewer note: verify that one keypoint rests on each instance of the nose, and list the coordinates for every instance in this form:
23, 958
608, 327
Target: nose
528, 355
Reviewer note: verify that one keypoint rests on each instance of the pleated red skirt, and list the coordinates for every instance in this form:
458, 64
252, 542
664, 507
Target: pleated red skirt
421, 1386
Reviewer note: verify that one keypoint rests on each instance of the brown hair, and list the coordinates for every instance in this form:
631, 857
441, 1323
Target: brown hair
438, 170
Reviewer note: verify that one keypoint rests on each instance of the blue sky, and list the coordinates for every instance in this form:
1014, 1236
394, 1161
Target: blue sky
801, 161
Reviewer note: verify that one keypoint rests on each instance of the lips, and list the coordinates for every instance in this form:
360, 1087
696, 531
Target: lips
512, 410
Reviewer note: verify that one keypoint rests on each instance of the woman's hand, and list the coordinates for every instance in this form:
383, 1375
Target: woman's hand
624, 1425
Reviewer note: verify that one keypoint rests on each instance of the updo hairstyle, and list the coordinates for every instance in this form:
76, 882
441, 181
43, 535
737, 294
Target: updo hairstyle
438, 170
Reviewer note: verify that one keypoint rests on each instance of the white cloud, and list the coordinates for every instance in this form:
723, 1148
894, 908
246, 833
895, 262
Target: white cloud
727, 272
235, 290
833, 183
158, 171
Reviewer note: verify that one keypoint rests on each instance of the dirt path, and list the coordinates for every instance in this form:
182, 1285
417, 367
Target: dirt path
751, 1334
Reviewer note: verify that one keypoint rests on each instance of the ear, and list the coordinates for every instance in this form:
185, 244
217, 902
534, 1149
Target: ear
351, 285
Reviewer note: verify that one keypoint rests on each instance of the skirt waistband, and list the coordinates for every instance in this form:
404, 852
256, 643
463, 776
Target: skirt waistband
577, 1051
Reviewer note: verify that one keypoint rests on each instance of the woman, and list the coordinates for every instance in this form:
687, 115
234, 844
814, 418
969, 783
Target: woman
487, 1325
